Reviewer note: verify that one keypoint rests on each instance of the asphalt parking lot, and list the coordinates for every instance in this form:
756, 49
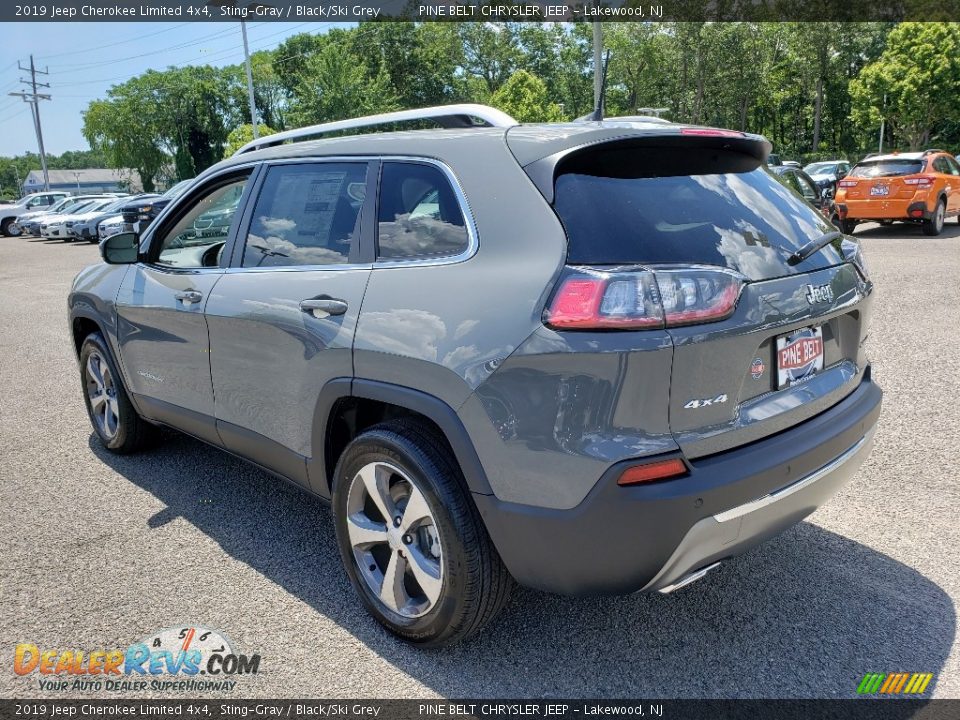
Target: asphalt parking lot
99, 551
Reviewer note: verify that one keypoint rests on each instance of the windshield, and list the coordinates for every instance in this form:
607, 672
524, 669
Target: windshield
820, 168
741, 218
887, 168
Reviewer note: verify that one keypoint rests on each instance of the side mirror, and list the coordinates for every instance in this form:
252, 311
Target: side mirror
120, 249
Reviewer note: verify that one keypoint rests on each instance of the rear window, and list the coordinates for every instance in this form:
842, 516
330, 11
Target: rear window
886, 168
697, 206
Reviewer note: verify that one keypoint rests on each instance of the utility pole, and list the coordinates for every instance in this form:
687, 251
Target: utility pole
34, 99
253, 106
597, 64
883, 123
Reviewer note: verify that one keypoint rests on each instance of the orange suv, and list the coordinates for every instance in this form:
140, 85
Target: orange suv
920, 187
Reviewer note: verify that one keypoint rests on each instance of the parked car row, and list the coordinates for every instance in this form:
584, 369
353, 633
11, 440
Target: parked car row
92, 217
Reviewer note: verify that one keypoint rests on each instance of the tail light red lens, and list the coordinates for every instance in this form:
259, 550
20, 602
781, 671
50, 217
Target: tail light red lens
847, 183
921, 182
594, 299
648, 472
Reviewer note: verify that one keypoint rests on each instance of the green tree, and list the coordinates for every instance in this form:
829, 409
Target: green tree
243, 134
119, 129
914, 84
336, 85
524, 96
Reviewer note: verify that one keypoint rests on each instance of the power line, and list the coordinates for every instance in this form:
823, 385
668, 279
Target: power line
110, 45
84, 67
18, 113
220, 54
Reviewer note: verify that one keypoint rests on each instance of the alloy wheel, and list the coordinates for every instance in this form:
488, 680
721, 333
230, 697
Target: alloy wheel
102, 393
395, 540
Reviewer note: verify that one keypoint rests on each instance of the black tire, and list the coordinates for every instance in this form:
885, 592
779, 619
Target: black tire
474, 584
129, 432
848, 226
7, 228
67, 239
934, 226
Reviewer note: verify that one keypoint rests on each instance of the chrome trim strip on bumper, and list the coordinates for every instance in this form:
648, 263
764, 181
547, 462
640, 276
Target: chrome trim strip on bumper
754, 505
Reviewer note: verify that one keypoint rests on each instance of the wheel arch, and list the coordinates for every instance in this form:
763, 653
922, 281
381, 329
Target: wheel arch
348, 406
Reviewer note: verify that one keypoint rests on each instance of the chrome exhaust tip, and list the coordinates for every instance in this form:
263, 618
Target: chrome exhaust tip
687, 579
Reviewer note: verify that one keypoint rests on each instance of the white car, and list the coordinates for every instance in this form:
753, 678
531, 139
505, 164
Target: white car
82, 215
34, 201
51, 226
112, 226
29, 223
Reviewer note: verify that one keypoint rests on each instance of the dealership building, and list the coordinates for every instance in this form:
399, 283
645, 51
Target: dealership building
91, 180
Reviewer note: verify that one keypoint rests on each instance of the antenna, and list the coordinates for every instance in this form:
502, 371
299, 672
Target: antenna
601, 99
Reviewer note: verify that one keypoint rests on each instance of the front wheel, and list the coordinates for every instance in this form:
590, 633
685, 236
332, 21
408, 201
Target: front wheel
934, 226
411, 539
10, 228
118, 426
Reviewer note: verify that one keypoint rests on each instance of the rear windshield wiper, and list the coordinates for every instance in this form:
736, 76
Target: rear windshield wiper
811, 247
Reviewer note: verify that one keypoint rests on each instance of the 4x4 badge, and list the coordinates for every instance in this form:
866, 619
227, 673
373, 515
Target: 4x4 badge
819, 293
694, 404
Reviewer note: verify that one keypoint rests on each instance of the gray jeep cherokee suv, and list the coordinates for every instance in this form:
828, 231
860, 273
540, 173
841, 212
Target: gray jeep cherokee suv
593, 357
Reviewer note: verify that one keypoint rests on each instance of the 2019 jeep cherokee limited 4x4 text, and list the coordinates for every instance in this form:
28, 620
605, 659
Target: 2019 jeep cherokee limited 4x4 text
593, 357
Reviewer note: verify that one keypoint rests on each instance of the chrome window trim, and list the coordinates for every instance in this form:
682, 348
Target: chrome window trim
473, 237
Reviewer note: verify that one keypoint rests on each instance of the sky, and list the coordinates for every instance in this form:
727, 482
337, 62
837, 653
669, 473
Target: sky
85, 59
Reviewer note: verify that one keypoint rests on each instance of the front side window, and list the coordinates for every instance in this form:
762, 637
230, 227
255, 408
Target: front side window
306, 215
418, 215
198, 237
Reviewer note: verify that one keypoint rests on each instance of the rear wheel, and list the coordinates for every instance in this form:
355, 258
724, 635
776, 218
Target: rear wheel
10, 228
848, 226
934, 226
114, 419
411, 539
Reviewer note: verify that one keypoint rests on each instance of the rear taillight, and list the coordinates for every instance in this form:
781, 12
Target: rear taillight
921, 182
640, 298
847, 183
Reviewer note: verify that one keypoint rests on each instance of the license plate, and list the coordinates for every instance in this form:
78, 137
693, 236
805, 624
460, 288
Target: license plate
799, 356
881, 190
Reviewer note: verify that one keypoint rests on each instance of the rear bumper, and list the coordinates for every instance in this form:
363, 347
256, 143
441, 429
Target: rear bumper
623, 539
867, 210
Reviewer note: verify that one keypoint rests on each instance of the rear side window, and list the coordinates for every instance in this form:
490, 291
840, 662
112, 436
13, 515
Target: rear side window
690, 206
886, 168
306, 215
418, 215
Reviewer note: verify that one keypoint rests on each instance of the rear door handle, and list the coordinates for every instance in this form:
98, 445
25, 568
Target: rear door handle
189, 296
323, 307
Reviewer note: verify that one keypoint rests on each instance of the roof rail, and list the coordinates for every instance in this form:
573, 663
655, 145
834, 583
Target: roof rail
931, 152
445, 115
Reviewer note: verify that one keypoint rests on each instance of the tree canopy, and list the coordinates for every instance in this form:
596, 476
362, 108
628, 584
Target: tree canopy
814, 89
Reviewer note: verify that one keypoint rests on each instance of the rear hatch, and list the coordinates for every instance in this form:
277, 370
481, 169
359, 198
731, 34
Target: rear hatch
691, 234
885, 179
